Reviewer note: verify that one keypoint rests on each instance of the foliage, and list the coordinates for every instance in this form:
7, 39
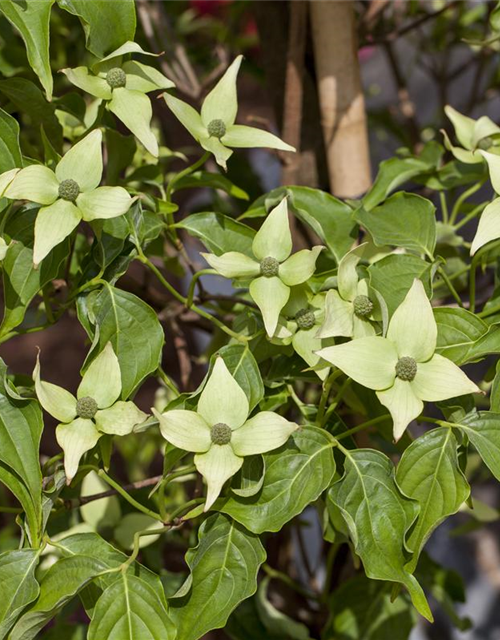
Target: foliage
342, 320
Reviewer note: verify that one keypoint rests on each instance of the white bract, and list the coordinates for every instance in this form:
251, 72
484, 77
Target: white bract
471, 134
348, 311
3, 248
219, 431
273, 269
95, 411
215, 127
403, 368
124, 85
489, 224
68, 195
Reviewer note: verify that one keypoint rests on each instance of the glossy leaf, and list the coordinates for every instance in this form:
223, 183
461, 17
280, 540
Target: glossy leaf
378, 517
224, 569
429, 473
219, 233
458, 332
295, 476
10, 152
244, 369
482, 430
18, 585
403, 220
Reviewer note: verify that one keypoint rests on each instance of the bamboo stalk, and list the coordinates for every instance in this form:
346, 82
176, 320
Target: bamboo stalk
341, 97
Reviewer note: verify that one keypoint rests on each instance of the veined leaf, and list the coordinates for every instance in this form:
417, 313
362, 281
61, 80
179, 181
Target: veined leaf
429, 473
18, 586
378, 518
10, 152
130, 609
483, 431
32, 20
296, 475
219, 233
212, 180
133, 329
224, 569
458, 331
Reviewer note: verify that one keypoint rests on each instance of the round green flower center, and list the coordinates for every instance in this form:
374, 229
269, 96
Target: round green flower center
406, 368
69, 190
363, 306
86, 408
220, 433
216, 128
116, 78
305, 319
269, 267
485, 143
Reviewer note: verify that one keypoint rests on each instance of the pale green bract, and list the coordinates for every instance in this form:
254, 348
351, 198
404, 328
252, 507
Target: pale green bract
348, 310
273, 270
124, 85
3, 248
473, 135
403, 367
215, 127
489, 224
220, 433
95, 411
68, 195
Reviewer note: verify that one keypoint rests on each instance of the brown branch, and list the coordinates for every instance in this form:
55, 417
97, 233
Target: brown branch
140, 484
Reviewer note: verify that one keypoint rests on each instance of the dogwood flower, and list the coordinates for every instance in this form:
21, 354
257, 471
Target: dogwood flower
124, 85
95, 411
274, 270
219, 432
214, 128
403, 368
488, 228
472, 134
305, 314
69, 194
349, 310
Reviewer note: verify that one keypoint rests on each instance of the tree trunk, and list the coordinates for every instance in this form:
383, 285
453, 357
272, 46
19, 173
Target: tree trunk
341, 97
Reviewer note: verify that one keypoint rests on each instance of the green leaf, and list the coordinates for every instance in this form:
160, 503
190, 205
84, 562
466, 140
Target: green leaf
18, 586
391, 174
32, 20
458, 331
107, 25
31, 510
20, 431
29, 100
404, 220
296, 475
128, 609
393, 277
482, 430
429, 473
59, 585
277, 624
219, 233
10, 152
133, 329
363, 608
487, 345
378, 518
224, 569
21, 281
244, 369
201, 179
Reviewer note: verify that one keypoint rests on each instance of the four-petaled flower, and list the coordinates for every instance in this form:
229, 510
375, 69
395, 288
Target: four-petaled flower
219, 431
124, 86
274, 270
214, 129
403, 368
472, 135
95, 411
349, 310
68, 194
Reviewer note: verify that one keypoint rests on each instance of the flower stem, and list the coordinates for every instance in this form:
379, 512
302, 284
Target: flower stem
360, 427
128, 497
185, 172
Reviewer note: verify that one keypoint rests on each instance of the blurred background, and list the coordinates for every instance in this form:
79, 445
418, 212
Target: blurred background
350, 84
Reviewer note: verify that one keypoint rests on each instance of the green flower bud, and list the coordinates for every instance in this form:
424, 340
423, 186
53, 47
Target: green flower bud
269, 267
216, 128
116, 78
485, 143
363, 306
69, 190
305, 319
220, 433
406, 368
86, 408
